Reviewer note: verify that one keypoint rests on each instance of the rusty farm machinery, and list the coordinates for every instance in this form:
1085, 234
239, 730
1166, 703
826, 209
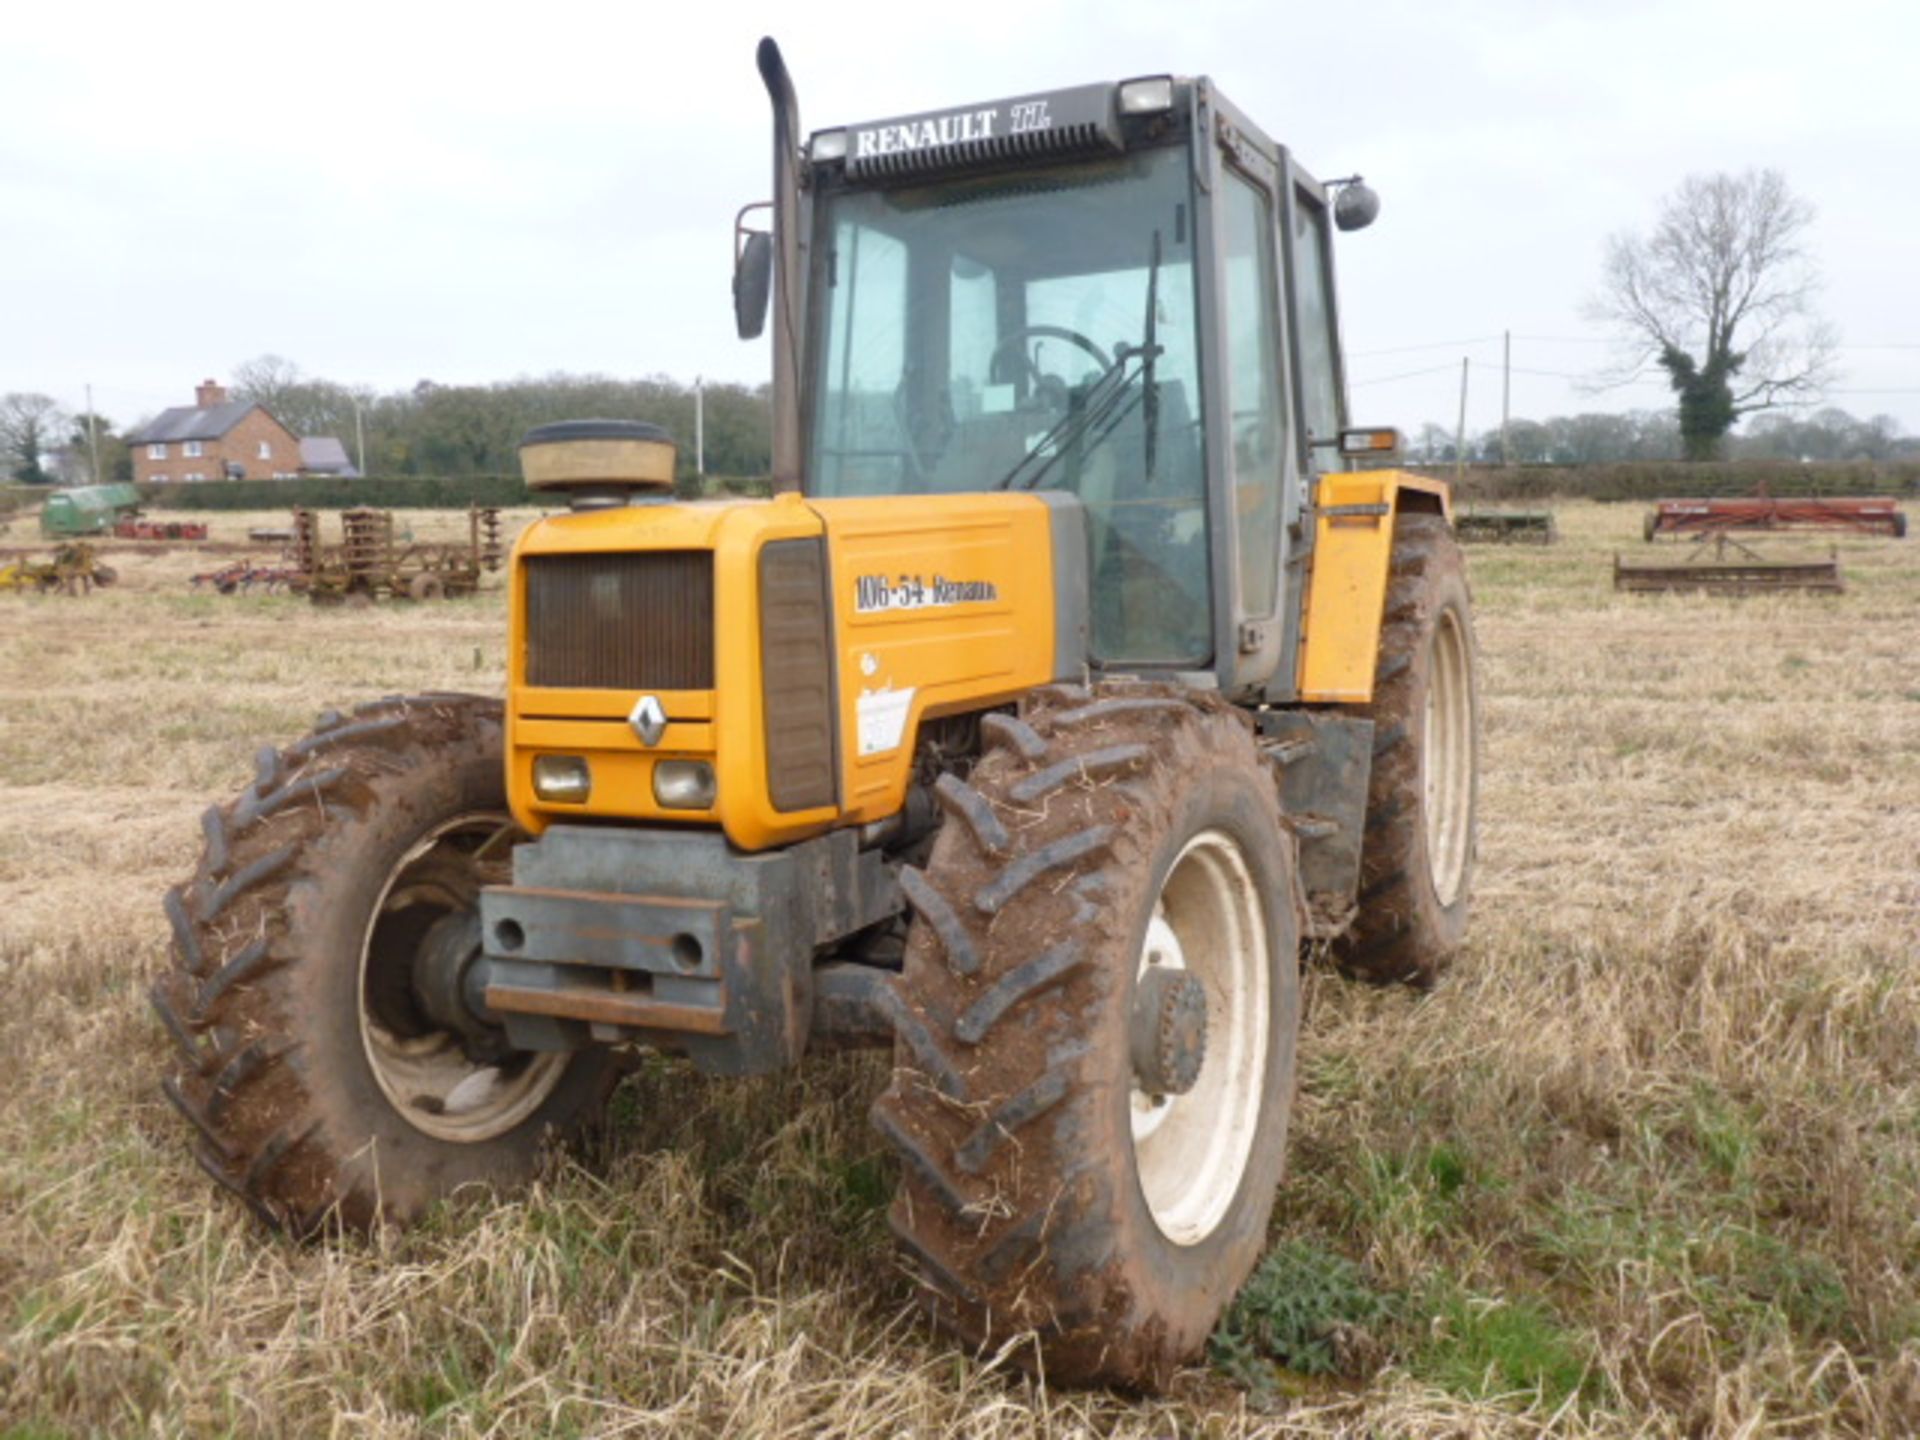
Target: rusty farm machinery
1721, 564
372, 560
1708, 516
243, 575
1506, 527
138, 527
1708, 569
74, 569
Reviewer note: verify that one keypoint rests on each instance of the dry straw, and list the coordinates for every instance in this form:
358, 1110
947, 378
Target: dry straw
1646, 1165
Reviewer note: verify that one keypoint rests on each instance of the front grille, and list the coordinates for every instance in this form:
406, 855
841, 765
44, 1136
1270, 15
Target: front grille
641, 621
796, 674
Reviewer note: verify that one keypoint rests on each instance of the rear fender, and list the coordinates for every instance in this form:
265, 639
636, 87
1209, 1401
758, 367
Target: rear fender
1347, 591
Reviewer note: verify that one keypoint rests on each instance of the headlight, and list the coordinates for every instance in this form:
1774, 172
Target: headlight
562, 777
683, 784
1148, 95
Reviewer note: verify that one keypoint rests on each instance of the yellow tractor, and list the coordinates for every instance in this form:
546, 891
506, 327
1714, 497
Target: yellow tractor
1085, 665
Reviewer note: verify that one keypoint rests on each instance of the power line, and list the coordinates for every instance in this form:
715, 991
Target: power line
1430, 345
1403, 375
1587, 340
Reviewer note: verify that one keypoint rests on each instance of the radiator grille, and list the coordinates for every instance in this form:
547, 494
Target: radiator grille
621, 622
796, 668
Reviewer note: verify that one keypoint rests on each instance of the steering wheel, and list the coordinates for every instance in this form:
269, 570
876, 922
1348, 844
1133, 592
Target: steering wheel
1014, 344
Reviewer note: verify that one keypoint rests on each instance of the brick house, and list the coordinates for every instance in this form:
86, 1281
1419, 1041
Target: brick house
213, 439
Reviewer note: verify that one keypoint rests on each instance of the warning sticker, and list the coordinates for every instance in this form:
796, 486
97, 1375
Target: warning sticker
882, 716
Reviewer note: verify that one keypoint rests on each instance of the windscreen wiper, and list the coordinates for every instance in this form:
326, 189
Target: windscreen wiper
1099, 402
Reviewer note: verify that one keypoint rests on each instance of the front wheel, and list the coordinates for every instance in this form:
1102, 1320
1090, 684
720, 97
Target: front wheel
1096, 1022
337, 1067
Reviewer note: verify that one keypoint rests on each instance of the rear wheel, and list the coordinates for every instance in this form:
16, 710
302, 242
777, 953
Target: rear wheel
1096, 1023
337, 1064
1416, 863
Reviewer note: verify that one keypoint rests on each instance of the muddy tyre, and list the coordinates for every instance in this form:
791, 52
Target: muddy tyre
302, 999
1416, 863
1095, 1033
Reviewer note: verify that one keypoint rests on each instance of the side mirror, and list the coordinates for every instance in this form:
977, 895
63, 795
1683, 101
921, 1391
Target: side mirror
1356, 206
752, 280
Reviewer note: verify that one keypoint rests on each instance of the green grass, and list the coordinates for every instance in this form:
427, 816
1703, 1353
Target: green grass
1649, 1153
1482, 1347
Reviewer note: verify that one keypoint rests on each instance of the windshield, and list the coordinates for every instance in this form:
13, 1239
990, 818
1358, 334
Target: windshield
1030, 332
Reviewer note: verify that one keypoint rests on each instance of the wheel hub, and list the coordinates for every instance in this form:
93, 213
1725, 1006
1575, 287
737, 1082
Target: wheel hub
1168, 1037
447, 985
1197, 1036
441, 1066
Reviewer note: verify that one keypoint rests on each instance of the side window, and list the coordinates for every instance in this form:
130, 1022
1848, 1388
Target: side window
1313, 322
1253, 391
860, 445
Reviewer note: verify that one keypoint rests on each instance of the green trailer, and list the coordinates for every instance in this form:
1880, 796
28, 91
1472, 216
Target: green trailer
87, 509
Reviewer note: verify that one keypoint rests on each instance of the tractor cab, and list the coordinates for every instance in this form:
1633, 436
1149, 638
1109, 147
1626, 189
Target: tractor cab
1119, 292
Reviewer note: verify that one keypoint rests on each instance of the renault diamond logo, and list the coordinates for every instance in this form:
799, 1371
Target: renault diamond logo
648, 719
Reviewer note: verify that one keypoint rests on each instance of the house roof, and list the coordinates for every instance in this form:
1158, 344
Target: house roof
324, 452
192, 422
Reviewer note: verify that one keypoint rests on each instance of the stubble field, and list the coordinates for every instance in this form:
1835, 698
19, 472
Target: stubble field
1647, 1163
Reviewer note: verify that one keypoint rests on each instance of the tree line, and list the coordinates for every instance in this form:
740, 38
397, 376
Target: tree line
459, 431
1601, 439
428, 430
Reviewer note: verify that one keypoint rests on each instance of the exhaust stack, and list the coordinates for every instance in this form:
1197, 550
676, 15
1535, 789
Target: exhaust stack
788, 309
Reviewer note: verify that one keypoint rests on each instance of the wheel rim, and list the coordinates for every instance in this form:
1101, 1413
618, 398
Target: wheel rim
1191, 1150
1447, 757
423, 1071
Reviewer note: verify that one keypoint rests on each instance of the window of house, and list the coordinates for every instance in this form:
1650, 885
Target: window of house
192, 450
266, 450
156, 452
195, 475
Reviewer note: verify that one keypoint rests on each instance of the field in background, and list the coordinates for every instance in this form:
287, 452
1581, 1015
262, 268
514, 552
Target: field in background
1647, 1163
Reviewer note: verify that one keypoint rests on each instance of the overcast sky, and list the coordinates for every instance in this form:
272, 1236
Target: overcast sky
385, 193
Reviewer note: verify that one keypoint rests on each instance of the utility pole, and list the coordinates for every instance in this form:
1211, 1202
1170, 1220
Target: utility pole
1506, 391
93, 435
359, 433
1460, 431
700, 427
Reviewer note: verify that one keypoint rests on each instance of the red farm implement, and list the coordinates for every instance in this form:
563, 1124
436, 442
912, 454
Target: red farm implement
244, 575
1743, 574
135, 527
1863, 515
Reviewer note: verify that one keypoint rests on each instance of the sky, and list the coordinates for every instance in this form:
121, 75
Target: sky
385, 193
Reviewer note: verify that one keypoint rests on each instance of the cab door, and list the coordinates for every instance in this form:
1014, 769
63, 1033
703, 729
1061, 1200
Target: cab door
1260, 464
1319, 376
1317, 390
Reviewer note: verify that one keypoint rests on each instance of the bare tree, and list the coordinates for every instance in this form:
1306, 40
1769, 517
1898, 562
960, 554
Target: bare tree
266, 380
1720, 296
30, 426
